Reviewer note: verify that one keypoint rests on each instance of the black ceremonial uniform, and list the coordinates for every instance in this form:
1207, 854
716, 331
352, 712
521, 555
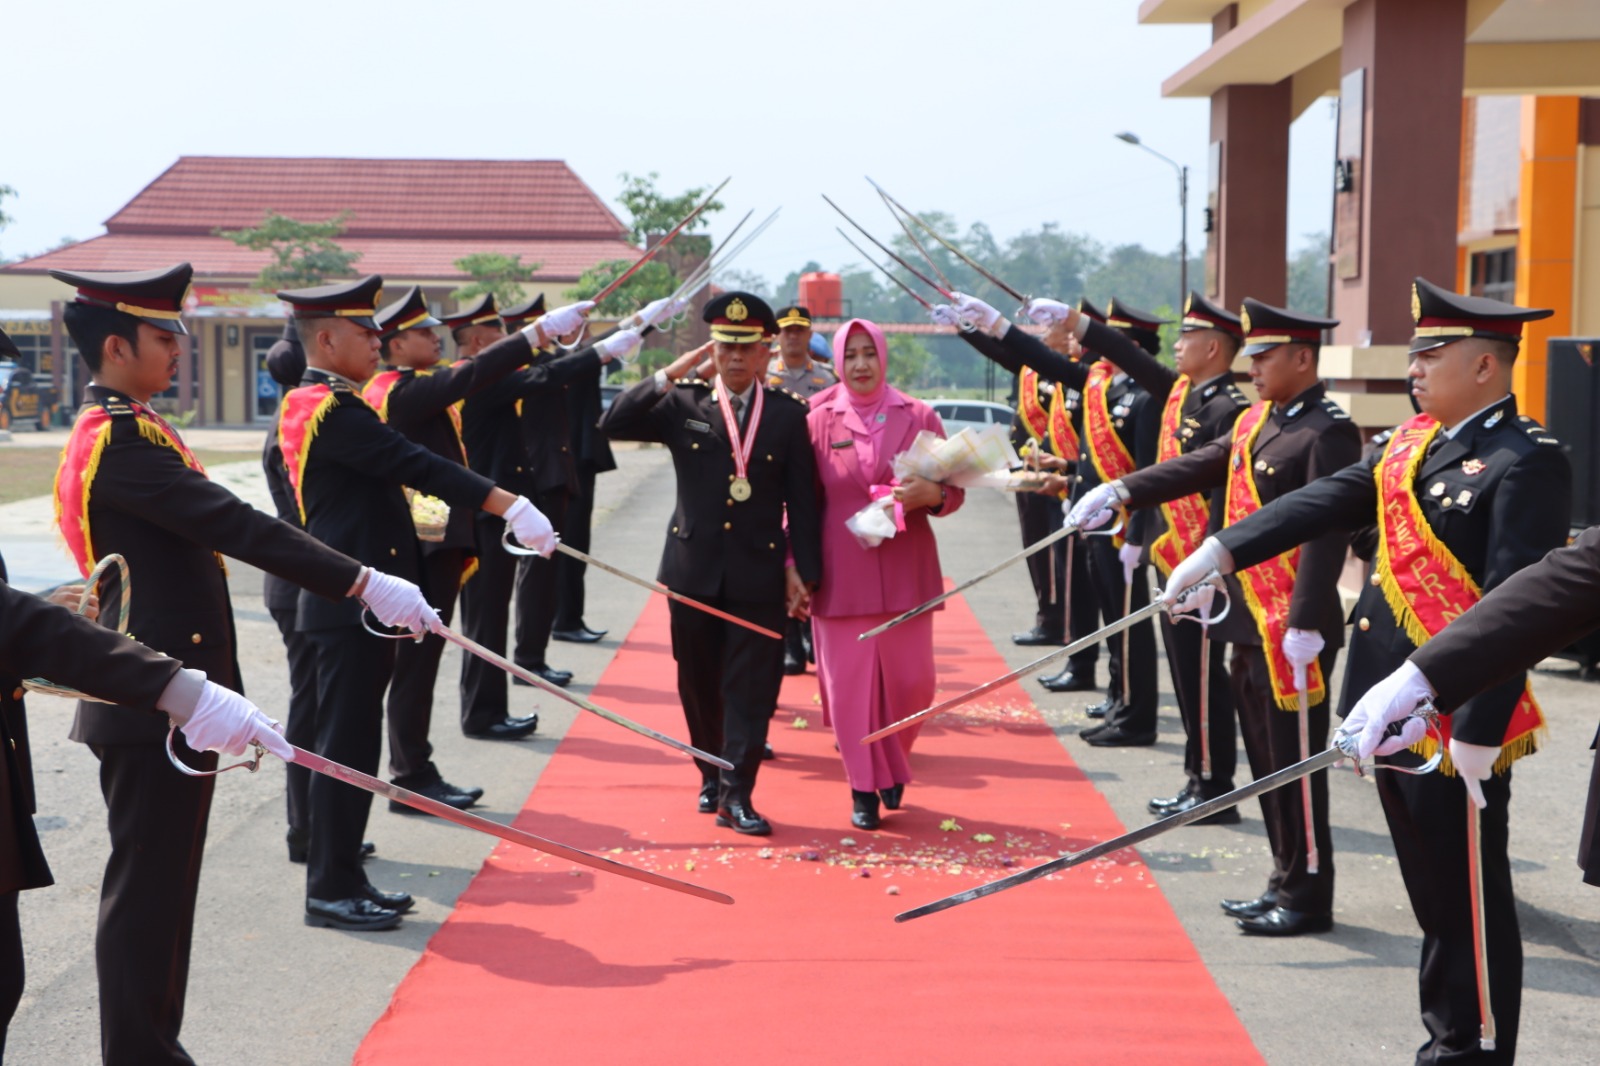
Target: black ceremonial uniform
592, 454
1305, 439
1038, 516
1536, 612
729, 552
350, 491
418, 403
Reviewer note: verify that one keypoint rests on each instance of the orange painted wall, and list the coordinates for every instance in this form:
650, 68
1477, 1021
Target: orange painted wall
1547, 221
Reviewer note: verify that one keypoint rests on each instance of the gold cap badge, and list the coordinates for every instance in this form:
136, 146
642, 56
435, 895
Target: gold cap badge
736, 311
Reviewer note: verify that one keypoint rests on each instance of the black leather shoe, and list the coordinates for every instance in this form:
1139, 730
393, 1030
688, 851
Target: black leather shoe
891, 796
708, 798
1035, 637
1069, 680
865, 814
1226, 816
581, 635
1114, 736
357, 914
742, 818
1281, 922
1103, 708
767, 752
1163, 805
299, 841
442, 791
399, 902
1092, 730
506, 729
1250, 908
558, 678
473, 791
792, 666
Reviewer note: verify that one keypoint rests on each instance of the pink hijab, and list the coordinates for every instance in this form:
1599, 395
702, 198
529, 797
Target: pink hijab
864, 415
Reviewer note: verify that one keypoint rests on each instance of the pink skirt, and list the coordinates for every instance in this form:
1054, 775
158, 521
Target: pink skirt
867, 684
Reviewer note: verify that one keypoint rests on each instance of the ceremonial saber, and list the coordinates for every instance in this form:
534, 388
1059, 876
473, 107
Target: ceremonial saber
662, 243
1344, 747
1480, 949
703, 274
936, 235
379, 787
890, 252
924, 608
1303, 689
912, 236
1205, 703
654, 586
1044, 660
1127, 605
886, 272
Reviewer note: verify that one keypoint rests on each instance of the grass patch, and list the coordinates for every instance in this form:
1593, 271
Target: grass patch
27, 472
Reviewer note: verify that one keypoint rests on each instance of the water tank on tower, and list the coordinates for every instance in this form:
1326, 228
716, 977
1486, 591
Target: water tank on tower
822, 294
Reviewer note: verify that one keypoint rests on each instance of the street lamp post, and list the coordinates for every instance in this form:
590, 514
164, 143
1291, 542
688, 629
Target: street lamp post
1183, 211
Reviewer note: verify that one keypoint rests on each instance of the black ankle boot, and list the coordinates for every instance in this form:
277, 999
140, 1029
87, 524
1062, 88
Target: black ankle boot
866, 810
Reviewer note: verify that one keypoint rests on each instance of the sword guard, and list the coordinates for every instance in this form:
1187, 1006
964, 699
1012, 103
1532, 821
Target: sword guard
510, 544
1111, 531
1347, 743
577, 342
1214, 580
252, 764
365, 611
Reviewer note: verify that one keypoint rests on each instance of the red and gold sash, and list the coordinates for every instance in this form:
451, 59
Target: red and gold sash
1424, 584
1035, 419
1267, 586
1187, 516
1110, 456
80, 462
300, 415
1063, 437
379, 389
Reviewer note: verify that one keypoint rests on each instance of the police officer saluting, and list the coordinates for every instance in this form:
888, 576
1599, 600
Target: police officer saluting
1465, 494
347, 469
743, 457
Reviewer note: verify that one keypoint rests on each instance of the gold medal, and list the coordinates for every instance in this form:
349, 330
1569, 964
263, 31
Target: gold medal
740, 489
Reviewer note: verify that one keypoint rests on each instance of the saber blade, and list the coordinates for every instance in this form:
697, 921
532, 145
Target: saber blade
963, 256
662, 243
1205, 704
1487, 1033
576, 700
886, 271
1343, 749
1302, 689
911, 235
890, 252
923, 608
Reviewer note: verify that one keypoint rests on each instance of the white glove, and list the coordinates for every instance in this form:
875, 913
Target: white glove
531, 528
225, 721
620, 345
657, 311
1129, 554
1046, 312
394, 601
1475, 764
1391, 700
945, 315
563, 320
1097, 507
1211, 555
1301, 647
971, 309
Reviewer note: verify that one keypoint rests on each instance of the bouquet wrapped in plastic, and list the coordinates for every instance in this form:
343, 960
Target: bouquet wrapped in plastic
970, 458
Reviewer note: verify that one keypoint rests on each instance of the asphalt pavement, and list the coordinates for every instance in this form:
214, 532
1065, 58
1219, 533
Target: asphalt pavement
265, 988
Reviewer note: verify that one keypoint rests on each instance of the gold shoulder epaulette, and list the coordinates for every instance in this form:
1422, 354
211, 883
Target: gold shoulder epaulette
702, 382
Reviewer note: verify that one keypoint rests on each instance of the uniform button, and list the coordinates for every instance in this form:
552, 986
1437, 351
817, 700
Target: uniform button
195, 639
1446, 502
772, 546
694, 446
1270, 470
769, 458
730, 503
727, 525
1374, 580
563, 447
674, 529
519, 469
1365, 624
17, 695
393, 551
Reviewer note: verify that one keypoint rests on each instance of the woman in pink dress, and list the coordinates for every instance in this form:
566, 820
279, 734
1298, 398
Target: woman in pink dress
857, 428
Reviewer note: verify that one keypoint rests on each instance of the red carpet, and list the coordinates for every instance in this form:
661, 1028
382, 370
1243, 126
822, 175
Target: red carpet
541, 962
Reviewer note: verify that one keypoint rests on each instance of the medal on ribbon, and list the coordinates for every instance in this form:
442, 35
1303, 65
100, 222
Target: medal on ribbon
739, 488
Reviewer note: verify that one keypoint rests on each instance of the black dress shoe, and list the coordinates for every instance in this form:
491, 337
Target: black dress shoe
1226, 816
767, 752
1103, 708
399, 902
1163, 805
1092, 730
865, 814
558, 678
577, 636
742, 818
505, 729
792, 665
1250, 908
472, 790
891, 796
1114, 736
708, 798
357, 914
442, 791
1035, 637
299, 841
1281, 922
1069, 680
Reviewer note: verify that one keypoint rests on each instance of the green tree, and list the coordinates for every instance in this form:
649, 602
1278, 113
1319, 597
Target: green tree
910, 361
493, 272
650, 282
303, 253
1308, 275
654, 213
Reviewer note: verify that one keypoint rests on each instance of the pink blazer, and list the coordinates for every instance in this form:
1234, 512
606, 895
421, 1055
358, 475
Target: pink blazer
902, 571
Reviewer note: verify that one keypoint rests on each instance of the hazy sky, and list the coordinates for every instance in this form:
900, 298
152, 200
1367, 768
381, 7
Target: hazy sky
1001, 111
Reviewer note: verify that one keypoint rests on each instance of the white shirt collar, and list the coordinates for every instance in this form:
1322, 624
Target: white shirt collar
1451, 431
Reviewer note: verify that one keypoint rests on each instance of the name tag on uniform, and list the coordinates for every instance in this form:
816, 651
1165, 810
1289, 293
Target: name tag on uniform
697, 427
841, 444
